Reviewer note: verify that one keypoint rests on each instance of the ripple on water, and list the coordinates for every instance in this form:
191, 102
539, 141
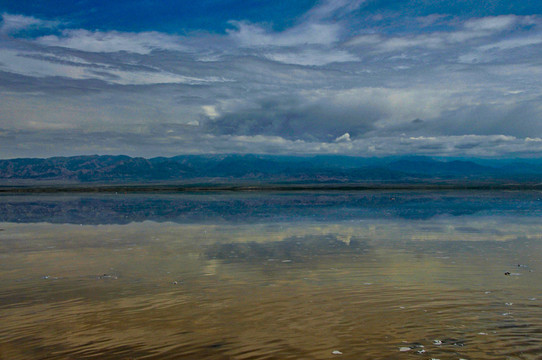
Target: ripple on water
389, 301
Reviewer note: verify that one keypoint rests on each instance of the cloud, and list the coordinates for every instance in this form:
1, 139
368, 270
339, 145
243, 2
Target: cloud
160, 143
513, 43
120, 110
311, 57
496, 23
321, 25
431, 20
343, 138
470, 30
13, 24
294, 117
311, 42
325, 115
512, 119
67, 66
250, 35
113, 41
333, 9
210, 111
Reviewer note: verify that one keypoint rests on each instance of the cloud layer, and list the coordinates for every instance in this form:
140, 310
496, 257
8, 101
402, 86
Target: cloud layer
343, 77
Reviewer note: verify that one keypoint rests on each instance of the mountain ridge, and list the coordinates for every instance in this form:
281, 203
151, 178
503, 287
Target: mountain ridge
319, 169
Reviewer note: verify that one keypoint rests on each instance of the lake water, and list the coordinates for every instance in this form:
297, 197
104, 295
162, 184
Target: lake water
297, 275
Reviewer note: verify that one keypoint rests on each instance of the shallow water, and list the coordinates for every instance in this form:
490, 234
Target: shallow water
367, 275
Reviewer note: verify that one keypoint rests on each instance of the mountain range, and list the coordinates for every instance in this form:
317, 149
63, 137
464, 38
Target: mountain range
267, 169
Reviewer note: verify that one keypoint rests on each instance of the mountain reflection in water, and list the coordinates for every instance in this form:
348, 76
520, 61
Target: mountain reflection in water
261, 206
374, 275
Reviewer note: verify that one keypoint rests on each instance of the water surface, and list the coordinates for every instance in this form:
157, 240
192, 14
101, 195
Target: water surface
309, 275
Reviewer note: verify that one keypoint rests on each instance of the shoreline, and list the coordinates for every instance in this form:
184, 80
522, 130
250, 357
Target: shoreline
168, 188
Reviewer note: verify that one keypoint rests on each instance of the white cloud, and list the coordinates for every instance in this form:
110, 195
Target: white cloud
431, 19
473, 29
251, 35
426, 41
113, 41
312, 57
12, 24
147, 78
333, 8
210, 111
318, 26
513, 43
33, 64
312, 42
495, 23
23, 63
343, 138
366, 39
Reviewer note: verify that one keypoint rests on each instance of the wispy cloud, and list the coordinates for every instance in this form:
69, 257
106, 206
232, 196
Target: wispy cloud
470, 30
13, 23
310, 56
251, 35
49, 65
113, 41
497, 23
332, 9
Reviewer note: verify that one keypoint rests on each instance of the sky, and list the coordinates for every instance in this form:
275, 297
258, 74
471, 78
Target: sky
366, 78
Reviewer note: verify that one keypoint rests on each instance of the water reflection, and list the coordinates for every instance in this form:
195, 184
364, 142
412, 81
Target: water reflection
267, 206
298, 248
299, 283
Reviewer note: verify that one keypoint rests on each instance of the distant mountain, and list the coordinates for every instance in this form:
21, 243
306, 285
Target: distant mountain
264, 169
442, 168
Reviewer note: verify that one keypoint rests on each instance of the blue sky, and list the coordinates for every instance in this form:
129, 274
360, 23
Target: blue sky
360, 77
